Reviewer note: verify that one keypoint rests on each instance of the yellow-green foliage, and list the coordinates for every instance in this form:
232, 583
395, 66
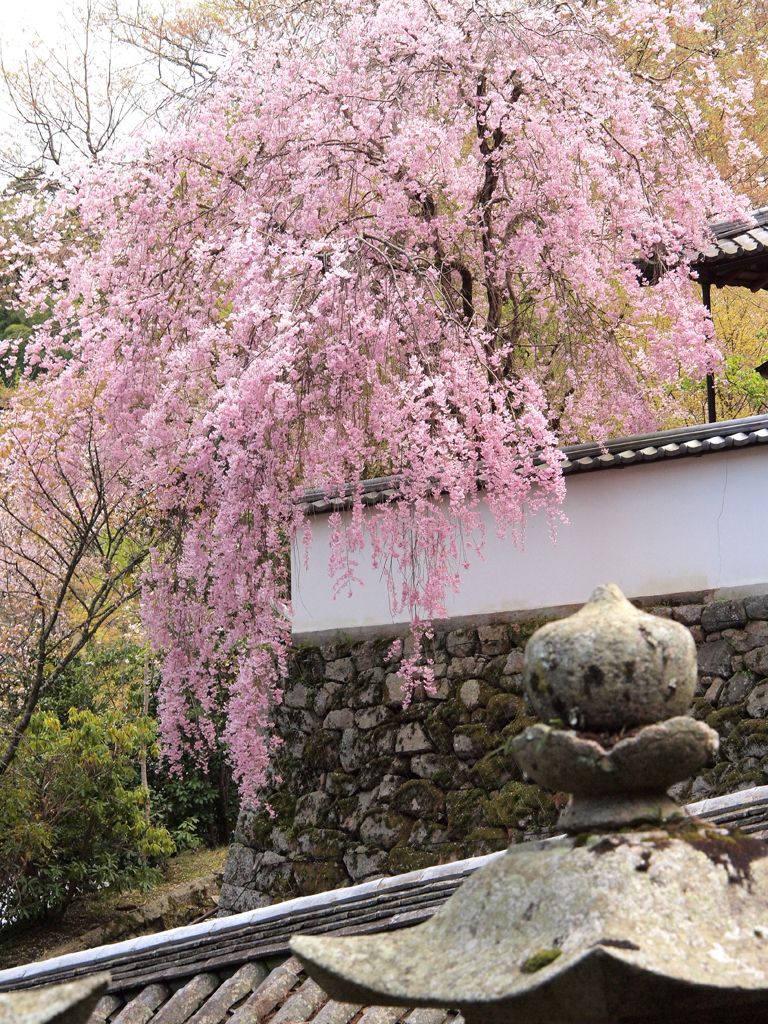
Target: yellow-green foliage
72, 814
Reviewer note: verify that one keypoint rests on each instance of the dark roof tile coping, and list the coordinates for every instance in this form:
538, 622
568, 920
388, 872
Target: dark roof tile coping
615, 453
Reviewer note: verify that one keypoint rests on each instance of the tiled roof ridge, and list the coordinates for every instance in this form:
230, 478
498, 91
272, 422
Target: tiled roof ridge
614, 453
376, 905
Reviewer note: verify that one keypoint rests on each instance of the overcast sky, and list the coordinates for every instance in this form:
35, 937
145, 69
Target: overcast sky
28, 16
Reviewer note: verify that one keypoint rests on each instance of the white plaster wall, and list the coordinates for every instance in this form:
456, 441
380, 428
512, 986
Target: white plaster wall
655, 528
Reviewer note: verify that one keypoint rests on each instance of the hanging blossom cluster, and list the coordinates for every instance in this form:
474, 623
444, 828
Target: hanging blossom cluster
395, 236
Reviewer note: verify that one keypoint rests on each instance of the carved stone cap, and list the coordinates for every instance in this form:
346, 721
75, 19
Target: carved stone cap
610, 667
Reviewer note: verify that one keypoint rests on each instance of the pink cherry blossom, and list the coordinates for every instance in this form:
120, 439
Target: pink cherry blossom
393, 237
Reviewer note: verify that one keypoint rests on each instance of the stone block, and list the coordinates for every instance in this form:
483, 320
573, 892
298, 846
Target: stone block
514, 663
661, 611
757, 635
370, 718
388, 786
365, 861
737, 638
350, 755
737, 689
688, 614
715, 659
404, 858
748, 739
297, 695
757, 661
396, 687
493, 640
471, 742
697, 633
700, 788
311, 809
512, 684
322, 751
465, 812
342, 719
461, 642
369, 693
416, 712
374, 769
272, 873
320, 844
463, 668
420, 799
367, 655
427, 766
411, 739
235, 900
340, 671
474, 693
340, 784
756, 606
238, 871
383, 829
757, 702
316, 877
425, 834
282, 841
714, 690
324, 698
382, 740
494, 771
351, 810
723, 615
502, 709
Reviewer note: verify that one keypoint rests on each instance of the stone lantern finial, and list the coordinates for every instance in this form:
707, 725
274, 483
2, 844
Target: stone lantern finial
606, 671
664, 921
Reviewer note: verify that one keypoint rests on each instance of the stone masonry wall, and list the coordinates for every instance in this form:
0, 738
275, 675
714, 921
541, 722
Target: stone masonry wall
369, 788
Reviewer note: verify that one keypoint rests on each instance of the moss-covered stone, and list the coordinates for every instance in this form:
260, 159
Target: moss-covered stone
494, 771
536, 961
494, 669
373, 771
313, 877
420, 799
726, 719
320, 844
474, 741
465, 812
509, 732
341, 784
747, 739
481, 841
521, 632
405, 858
322, 751
502, 709
441, 723
521, 806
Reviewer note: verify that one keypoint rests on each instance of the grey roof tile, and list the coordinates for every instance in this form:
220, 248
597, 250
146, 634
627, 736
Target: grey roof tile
234, 989
336, 1013
302, 1005
381, 1015
270, 993
141, 1009
186, 1000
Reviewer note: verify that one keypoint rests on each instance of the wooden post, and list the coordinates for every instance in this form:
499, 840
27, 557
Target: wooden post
711, 409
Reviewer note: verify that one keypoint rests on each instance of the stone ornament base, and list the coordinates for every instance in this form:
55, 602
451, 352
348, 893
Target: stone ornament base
598, 813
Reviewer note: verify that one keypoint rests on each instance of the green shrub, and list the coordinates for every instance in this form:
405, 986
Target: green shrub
72, 818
